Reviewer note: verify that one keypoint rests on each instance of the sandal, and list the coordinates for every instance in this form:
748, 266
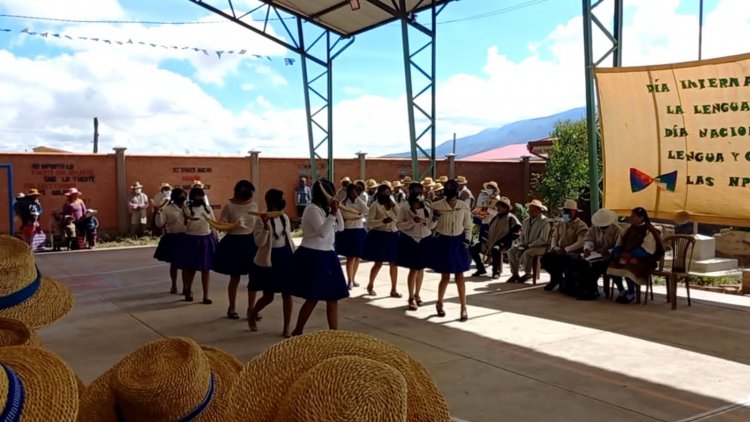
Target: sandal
355, 284
252, 325
396, 294
188, 297
418, 300
207, 301
258, 317
464, 316
173, 290
439, 308
412, 305
233, 315
286, 334
371, 290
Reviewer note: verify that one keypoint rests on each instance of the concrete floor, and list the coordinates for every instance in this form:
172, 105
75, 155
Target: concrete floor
524, 355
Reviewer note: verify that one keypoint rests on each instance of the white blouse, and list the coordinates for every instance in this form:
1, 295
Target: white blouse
377, 213
406, 224
350, 221
232, 213
320, 230
171, 218
199, 226
453, 221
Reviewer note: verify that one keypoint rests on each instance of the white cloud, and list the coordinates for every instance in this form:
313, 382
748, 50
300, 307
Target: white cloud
51, 100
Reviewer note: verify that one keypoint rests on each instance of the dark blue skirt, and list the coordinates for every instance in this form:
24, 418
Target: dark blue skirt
381, 246
318, 275
448, 255
195, 252
411, 254
235, 254
278, 277
167, 247
351, 242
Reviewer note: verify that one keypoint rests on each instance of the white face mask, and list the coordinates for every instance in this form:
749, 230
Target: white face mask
137, 190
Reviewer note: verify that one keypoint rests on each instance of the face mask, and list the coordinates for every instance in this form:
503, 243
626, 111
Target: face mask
137, 191
450, 193
566, 218
384, 198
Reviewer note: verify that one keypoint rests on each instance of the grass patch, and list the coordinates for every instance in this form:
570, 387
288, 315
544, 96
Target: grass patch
126, 241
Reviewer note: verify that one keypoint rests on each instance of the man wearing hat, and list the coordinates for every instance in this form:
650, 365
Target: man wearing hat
160, 199
504, 228
567, 240
33, 195
427, 185
137, 208
491, 189
464, 193
371, 185
534, 241
341, 193
398, 195
586, 268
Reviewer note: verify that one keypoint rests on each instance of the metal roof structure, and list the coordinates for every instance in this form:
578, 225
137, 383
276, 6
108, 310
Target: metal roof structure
351, 17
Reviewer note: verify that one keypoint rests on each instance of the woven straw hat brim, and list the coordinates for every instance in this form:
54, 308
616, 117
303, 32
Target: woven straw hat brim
51, 302
51, 391
347, 388
16, 333
269, 376
98, 401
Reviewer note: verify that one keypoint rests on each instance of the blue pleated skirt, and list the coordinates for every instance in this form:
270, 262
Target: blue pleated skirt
167, 247
412, 254
195, 252
278, 277
381, 246
318, 275
448, 255
351, 242
235, 254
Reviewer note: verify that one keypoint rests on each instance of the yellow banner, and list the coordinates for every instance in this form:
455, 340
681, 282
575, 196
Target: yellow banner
676, 139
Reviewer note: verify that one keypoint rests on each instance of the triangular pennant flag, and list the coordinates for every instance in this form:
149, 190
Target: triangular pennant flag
25, 30
668, 181
640, 180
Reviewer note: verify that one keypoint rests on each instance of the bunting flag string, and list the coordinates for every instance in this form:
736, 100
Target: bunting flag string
218, 53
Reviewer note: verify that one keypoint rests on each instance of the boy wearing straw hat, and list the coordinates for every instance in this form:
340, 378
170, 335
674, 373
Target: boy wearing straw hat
137, 208
341, 193
567, 241
503, 230
534, 241
464, 193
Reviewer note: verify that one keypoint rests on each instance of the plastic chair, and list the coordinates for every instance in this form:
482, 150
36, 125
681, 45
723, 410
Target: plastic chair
682, 246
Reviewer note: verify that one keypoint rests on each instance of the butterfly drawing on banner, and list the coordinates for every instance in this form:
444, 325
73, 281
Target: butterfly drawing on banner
640, 180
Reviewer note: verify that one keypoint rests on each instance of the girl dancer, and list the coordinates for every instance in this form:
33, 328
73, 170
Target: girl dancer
381, 244
318, 274
274, 259
450, 253
416, 224
351, 242
170, 219
197, 248
236, 249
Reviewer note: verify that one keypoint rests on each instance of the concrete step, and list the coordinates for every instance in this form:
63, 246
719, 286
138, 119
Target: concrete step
704, 248
707, 265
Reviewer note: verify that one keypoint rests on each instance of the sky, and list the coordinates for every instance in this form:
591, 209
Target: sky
497, 62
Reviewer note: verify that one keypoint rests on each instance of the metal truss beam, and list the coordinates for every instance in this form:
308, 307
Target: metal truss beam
615, 51
419, 47
317, 58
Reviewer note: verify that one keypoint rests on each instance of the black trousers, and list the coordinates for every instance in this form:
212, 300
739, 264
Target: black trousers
556, 265
585, 274
499, 246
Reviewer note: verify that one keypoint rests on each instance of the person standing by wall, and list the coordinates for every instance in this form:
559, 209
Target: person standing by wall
76, 209
302, 196
137, 208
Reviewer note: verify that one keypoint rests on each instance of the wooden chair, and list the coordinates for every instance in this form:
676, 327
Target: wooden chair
536, 268
682, 246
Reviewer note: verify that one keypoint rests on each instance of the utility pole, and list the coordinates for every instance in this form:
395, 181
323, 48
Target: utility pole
96, 135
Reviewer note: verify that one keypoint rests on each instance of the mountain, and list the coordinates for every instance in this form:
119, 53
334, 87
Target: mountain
521, 131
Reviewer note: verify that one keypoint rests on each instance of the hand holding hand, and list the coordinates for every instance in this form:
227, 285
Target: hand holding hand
417, 219
387, 220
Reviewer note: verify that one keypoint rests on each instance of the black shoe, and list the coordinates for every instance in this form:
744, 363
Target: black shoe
479, 273
551, 286
495, 276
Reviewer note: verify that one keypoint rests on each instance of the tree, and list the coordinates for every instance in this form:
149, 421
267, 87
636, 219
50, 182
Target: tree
567, 173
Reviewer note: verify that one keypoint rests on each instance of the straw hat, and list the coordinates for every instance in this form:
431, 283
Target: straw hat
371, 184
370, 391
346, 179
492, 184
536, 203
604, 217
21, 195
39, 385
406, 180
33, 192
197, 184
165, 185
136, 185
461, 180
272, 380
16, 333
569, 204
73, 191
505, 200
26, 294
428, 182
437, 187
442, 179
386, 183
165, 380
396, 184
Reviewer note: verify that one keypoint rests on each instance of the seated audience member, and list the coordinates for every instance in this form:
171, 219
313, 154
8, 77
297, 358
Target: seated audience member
534, 241
567, 239
503, 230
601, 239
639, 253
